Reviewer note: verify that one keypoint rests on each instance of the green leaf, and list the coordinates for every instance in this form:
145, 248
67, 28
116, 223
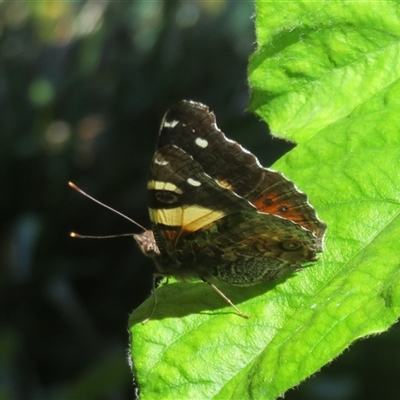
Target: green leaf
317, 61
326, 76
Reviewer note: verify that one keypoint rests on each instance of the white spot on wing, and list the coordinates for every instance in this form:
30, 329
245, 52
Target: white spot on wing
193, 182
170, 124
161, 162
201, 142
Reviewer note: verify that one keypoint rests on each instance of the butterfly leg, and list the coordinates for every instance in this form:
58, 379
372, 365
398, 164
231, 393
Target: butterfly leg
155, 276
228, 300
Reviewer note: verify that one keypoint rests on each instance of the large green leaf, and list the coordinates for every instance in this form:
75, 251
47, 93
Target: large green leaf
326, 76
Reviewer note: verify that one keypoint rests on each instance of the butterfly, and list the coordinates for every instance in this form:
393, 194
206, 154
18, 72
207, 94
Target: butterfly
217, 213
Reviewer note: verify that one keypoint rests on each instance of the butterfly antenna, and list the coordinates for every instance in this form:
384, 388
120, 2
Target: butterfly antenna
79, 236
106, 206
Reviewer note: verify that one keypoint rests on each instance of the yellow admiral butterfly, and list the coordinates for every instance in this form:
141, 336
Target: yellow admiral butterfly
217, 213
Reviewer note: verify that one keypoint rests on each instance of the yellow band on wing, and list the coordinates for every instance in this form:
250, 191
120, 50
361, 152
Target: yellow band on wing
190, 218
159, 185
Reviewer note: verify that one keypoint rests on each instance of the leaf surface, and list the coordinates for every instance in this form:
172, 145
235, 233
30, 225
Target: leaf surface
325, 75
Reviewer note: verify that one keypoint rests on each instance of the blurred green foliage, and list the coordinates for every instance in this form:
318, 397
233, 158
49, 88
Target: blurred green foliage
83, 87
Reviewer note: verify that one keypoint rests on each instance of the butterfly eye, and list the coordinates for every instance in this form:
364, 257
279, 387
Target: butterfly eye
290, 246
151, 249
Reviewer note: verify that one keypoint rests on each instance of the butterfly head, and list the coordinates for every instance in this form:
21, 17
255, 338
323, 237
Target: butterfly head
147, 243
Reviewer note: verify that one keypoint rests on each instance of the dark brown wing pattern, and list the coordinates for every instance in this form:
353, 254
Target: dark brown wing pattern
184, 200
192, 127
203, 229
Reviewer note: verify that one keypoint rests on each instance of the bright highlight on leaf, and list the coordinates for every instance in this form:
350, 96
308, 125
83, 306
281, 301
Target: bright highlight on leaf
325, 75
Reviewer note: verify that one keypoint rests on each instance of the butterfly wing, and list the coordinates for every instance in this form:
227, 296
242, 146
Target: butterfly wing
183, 199
250, 247
204, 229
192, 127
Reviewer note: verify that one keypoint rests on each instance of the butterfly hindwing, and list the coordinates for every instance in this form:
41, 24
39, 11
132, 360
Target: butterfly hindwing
249, 247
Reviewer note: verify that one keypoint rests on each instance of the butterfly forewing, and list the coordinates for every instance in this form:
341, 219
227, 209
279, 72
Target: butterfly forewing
192, 127
183, 199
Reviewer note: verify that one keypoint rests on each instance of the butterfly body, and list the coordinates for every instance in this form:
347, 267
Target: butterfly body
217, 213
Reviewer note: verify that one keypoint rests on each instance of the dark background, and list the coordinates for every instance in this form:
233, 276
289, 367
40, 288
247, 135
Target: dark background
83, 87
